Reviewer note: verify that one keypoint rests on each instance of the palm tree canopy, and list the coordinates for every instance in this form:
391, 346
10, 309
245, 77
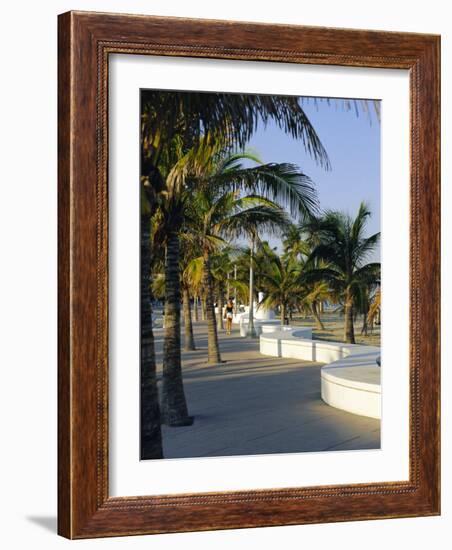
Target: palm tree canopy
217, 114
280, 280
343, 246
293, 243
282, 183
217, 216
212, 169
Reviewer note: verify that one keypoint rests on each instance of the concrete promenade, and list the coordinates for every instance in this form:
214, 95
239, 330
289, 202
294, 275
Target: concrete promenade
253, 404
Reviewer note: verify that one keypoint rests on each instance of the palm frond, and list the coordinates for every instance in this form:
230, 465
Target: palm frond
283, 183
169, 113
250, 221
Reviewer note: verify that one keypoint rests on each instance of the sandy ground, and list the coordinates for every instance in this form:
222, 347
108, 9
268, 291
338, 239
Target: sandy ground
253, 404
334, 329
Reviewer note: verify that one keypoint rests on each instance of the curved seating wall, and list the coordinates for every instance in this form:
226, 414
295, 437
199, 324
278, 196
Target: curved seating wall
260, 326
350, 379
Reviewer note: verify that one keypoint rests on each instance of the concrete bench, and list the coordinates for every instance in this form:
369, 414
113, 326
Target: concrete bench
350, 379
260, 326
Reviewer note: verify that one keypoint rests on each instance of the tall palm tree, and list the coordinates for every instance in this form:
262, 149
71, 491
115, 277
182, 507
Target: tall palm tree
169, 215
189, 342
221, 267
218, 215
187, 286
344, 248
151, 436
167, 114
317, 292
374, 312
281, 283
173, 402
191, 267
173, 123
281, 185
296, 246
294, 243
362, 304
193, 277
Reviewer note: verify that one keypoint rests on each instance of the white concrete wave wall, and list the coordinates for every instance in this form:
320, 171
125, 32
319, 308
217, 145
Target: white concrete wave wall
350, 379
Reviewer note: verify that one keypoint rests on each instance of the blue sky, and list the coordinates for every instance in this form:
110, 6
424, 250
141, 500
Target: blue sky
353, 145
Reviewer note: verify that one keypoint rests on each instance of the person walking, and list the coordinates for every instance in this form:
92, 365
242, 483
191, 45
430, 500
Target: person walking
228, 315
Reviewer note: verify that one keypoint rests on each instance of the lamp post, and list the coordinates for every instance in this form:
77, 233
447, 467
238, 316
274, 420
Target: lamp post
235, 288
251, 330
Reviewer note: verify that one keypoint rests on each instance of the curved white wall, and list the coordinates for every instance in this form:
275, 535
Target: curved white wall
353, 389
350, 380
262, 327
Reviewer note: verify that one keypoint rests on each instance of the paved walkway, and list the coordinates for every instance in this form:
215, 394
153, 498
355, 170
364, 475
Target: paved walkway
253, 404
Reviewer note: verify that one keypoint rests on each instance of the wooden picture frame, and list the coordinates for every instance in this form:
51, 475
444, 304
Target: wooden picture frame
86, 40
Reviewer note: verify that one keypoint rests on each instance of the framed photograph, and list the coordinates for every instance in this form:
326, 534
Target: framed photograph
249, 294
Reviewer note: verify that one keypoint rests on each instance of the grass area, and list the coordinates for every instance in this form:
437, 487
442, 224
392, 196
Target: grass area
334, 329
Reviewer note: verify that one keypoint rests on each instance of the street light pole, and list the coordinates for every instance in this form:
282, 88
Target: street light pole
235, 288
251, 330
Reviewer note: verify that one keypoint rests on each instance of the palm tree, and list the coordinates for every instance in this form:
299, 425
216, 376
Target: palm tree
169, 215
221, 267
189, 343
173, 402
151, 436
294, 244
219, 214
191, 267
362, 304
292, 189
265, 188
344, 248
172, 124
317, 292
281, 283
374, 313
169, 114
193, 274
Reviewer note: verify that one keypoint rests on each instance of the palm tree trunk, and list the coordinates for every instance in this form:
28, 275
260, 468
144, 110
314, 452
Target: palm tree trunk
365, 326
195, 308
283, 314
349, 329
174, 405
316, 315
188, 326
203, 307
150, 429
213, 349
220, 324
